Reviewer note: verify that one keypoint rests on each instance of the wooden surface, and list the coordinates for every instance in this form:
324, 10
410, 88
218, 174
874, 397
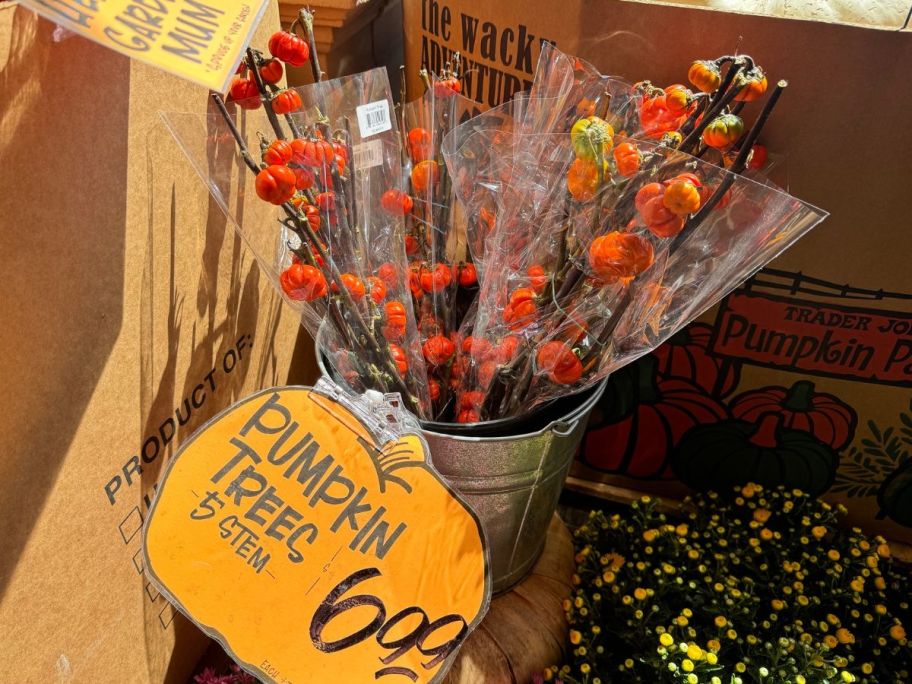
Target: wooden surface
524, 631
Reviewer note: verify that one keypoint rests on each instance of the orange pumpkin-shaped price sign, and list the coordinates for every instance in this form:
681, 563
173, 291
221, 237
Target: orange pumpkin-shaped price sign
313, 550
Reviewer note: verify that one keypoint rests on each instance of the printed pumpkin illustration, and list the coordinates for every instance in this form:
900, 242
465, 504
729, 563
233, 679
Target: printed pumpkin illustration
822, 415
686, 355
895, 495
735, 452
309, 544
640, 419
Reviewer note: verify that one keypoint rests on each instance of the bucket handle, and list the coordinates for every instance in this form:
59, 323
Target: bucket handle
563, 428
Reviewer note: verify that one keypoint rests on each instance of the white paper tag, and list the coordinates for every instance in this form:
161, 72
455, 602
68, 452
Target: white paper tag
374, 118
368, 155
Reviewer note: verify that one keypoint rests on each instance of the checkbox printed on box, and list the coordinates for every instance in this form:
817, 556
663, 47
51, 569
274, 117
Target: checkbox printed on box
131, 525
138, 561
166, 615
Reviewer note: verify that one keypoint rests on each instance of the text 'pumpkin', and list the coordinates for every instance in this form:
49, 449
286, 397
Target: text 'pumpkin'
312, 552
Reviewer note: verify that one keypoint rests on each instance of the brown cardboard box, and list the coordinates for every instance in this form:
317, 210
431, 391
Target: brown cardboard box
841, 295
131, 314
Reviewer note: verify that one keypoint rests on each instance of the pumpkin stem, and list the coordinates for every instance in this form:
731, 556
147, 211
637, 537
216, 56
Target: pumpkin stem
799, 396
647, 380
765, 434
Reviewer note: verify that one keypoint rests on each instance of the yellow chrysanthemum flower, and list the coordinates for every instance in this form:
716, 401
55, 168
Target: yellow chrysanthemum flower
666, 639
687, 665
830, 641
694, 652
897, 632
575, 637
640, 594
761, 515
845, 636
833, 555
819, 532
720, 621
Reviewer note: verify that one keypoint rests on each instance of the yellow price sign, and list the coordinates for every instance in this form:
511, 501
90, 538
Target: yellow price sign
313, 550
200, 40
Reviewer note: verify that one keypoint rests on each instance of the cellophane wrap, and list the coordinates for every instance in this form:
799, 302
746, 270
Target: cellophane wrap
551, 286
357, 237
443, 278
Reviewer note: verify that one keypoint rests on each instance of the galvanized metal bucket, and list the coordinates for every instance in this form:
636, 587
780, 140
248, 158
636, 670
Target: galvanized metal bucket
513, 481
511, 472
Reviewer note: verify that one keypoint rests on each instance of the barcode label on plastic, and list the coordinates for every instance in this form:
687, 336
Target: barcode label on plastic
374, 118
368, 155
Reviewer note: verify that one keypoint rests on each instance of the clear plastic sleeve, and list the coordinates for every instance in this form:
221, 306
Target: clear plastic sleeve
606, 240
443, 276
334, 251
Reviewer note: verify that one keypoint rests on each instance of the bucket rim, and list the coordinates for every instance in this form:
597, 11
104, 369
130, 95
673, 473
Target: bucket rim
490, 429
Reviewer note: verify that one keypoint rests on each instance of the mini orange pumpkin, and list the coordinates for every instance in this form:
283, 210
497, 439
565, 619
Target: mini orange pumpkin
677, 98
275, 184
582, 179
394, 330
681, 197
705, 75
303, 282
425, 174
558, 361
723, 131
399, 358
627, 159
753, 89
286, 101
396, 202
438, 350
279, 152
419, 144
619, 255
353, 284
312, 152
436, 279
520, 312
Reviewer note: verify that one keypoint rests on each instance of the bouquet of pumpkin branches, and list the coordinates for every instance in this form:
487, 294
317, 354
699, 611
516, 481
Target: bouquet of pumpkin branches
481, 267
614, 214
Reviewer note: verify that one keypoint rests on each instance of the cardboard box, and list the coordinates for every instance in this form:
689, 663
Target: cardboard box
131, 315
836, 309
